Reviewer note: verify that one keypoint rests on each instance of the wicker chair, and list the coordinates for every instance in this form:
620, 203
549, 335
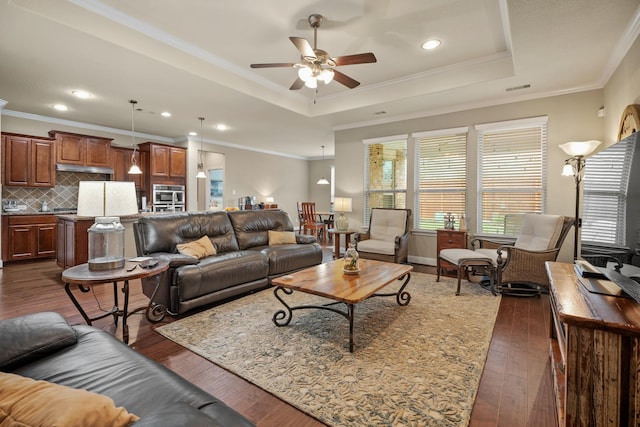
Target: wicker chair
388, 236
520, 266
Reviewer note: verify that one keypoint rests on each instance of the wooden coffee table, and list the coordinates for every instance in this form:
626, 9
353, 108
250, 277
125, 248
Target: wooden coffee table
328, 281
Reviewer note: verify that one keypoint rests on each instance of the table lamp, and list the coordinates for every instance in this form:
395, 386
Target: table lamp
106, 201
342, 205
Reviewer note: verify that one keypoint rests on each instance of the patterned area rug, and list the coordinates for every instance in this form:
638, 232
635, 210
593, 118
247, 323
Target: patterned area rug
417, 365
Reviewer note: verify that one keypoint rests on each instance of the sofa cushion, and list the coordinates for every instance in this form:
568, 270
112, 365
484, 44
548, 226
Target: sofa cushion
162, 233
386, 224
198, 248
30, 337
281, 237
287, 258
252, 227
24, 401
539, 232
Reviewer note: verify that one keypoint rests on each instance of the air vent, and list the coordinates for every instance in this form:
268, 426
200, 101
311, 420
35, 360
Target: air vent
510, 89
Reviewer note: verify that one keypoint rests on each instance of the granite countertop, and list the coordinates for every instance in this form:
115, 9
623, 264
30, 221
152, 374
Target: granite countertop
29, 212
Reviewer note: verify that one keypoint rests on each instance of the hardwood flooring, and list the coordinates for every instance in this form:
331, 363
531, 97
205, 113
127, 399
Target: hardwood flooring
515, 389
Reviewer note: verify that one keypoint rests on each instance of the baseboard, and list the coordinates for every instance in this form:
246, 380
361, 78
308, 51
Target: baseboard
422, 260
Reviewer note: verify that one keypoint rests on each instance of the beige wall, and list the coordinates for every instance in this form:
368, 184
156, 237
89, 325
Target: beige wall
622, 89
571, 117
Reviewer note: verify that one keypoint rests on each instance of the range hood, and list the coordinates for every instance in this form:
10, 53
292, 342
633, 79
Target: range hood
62, 167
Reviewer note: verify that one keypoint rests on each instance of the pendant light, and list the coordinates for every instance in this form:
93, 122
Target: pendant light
201, 164
134, 169
323, 180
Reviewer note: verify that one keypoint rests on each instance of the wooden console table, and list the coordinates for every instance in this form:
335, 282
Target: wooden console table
595, 353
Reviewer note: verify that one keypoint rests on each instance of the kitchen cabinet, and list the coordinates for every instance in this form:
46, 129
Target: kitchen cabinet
121, 162
82, 150
28, 237
29, 161
166, 164
73, 241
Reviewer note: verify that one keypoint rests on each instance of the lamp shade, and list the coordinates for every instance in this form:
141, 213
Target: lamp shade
580, 148
342, 204
107, 198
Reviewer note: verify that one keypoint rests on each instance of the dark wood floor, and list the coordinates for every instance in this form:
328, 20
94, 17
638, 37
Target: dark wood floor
515, 389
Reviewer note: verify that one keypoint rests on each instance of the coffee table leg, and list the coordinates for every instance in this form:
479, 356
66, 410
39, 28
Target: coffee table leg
76, 303
402, 297
281, 317
351, 313
125, 327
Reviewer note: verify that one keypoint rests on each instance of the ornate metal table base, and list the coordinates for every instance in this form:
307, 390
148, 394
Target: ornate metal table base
283, 317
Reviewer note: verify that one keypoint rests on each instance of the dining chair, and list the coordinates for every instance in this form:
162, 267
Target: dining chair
310, 221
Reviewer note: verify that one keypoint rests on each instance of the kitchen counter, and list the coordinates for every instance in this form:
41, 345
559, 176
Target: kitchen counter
28, 212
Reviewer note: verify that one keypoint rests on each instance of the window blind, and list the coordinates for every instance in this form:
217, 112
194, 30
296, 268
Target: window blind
511, 173
385, 174
606, 184
440, 177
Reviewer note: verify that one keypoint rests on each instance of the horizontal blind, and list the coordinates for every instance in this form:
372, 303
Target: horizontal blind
606, 184
441, 178
511, 176
385, 175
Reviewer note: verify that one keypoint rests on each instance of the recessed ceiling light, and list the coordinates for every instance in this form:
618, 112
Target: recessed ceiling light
83, 94
221, 126
60, 107
165, 114
193, 133
431, 44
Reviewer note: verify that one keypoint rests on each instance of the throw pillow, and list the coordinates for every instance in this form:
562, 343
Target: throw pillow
27, 402
281, 237
198, 248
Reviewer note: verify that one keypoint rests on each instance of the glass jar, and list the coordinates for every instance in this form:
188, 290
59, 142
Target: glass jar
106, 244
351, 260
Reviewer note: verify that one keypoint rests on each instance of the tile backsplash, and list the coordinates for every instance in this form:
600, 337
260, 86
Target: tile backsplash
63, 195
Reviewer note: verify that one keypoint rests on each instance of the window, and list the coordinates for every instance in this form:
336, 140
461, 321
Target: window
606, 182
441, 176
385, 173
512, 158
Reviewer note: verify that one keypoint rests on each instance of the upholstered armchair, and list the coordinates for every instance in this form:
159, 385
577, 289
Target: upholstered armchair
388, 236
520, 266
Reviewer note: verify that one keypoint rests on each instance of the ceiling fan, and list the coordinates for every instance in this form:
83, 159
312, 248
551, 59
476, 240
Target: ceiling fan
316, 64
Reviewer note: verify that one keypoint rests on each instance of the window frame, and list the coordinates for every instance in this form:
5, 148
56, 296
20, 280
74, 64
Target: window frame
367, 143
540, 123
460, 134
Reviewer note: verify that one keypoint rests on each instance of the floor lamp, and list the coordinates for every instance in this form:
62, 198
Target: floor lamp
574, 166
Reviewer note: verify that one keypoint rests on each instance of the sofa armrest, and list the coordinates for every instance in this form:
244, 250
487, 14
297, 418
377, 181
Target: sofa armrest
358, 237
30, 337
305, 239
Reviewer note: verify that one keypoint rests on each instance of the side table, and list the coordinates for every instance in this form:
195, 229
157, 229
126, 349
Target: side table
84, 278
336, 243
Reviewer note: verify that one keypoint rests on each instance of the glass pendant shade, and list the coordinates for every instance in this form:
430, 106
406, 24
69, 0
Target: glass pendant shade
134, 169
106, 201
580, 148
567, 170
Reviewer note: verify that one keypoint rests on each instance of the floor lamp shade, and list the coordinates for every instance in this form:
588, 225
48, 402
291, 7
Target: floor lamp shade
106, 201
342, 205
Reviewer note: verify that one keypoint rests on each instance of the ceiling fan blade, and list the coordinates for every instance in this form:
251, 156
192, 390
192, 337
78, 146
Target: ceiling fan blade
275, 64
344, 79
360, 58
303, 46
297, 84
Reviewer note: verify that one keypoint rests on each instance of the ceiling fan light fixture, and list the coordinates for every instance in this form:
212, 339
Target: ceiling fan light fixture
326, 76
312, 83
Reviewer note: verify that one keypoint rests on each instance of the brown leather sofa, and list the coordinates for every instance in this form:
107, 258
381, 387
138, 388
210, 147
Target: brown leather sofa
244, 260
42, 346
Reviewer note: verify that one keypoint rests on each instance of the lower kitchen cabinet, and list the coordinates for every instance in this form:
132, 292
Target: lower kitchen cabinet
73, 247
28, 237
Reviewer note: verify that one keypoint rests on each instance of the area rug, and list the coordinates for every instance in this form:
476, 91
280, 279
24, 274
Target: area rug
414, 365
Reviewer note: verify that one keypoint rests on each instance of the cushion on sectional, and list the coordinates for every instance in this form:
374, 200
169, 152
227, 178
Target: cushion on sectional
24, 401
198, 248
30, 337
281, 237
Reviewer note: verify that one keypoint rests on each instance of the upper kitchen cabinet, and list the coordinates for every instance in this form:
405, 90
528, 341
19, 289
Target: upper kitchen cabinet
29, 161
121, 158
82, 150
166, 164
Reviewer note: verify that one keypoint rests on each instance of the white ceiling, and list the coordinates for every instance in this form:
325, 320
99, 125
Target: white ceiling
191, 57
